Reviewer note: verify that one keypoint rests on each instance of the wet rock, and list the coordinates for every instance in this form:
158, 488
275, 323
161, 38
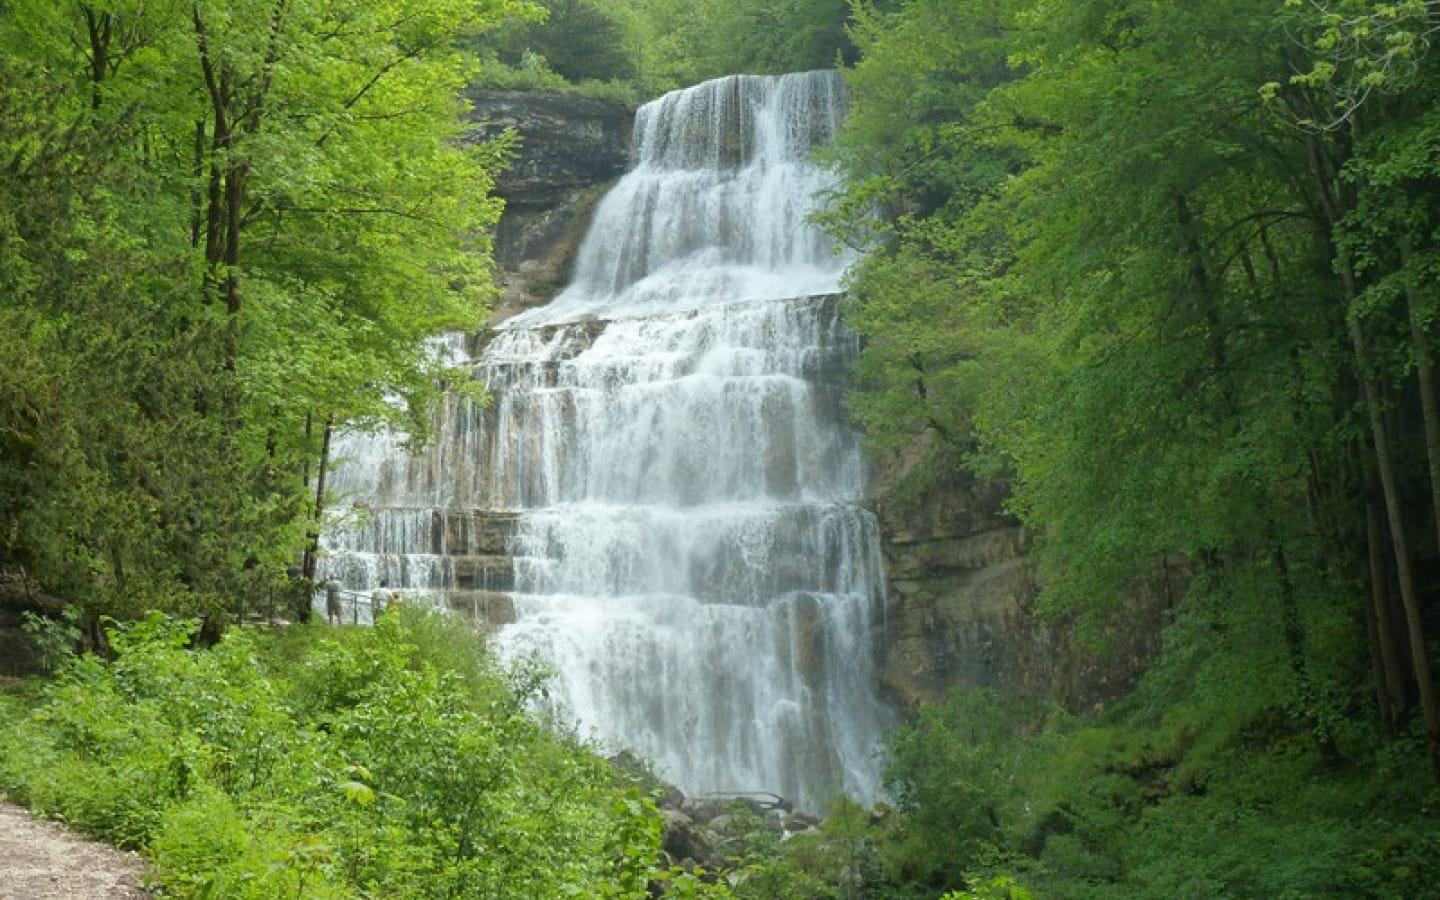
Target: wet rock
570, 148
687, 844
487, 609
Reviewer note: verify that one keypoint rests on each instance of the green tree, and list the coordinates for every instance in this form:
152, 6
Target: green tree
1133, 276
665, 44
918, 163
1179, 299
233, 226
951, 773
578, 39
1363, 110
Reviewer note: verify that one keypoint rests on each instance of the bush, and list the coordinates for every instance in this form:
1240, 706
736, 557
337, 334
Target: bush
398, 761
207, 846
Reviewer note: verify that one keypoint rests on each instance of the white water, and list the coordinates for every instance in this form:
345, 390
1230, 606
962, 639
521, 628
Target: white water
688, 548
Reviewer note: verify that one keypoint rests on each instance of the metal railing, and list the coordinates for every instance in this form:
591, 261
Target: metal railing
354, 599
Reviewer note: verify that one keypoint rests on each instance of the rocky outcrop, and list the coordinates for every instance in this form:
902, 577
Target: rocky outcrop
18, 654
570, 148
962, 598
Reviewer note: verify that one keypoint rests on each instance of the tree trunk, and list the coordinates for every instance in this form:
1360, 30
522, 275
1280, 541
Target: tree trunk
1389, 677
1200, 277
100, 26
1394, 512
197, 196
312, 550
1336, 199
1425, 372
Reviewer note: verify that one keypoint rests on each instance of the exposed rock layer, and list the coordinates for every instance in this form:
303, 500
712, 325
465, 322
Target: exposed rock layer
962, 603
570, 148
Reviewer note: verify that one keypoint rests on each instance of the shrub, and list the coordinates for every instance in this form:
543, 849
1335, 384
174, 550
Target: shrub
395, 761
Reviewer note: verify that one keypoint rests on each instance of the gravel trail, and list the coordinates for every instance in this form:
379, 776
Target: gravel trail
41, 860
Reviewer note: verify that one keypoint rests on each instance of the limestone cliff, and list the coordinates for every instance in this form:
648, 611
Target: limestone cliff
962, 602
570, 148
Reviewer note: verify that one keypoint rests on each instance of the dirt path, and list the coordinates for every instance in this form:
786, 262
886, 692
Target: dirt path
42, 861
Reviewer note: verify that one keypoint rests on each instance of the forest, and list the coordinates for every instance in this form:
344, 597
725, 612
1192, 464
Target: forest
1169, 271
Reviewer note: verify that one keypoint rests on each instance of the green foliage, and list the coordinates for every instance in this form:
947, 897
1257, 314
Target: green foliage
950, 772
578, 40
57, 638
1123, 258
635, 49
1359, 49
207, 847
1001, 802
325, 764
218, 239
772, 37
999, 888
840, 861
1078, 295
917, 159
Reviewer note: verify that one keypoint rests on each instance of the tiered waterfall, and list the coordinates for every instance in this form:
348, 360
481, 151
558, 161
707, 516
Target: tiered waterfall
662, 500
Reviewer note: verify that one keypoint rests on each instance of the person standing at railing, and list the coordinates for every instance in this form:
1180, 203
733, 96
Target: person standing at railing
332, 599
381, 600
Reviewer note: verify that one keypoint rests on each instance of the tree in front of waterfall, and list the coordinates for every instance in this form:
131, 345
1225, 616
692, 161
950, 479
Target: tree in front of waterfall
228, 227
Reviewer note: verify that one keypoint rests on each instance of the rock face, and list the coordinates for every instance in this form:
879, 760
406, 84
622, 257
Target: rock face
570, 149
960, 592
962, 603
18, 654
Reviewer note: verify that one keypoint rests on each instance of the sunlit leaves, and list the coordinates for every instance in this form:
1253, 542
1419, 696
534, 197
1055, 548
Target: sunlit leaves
1355, 49
304, 159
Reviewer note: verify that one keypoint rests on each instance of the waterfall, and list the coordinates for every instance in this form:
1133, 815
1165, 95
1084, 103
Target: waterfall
662, 501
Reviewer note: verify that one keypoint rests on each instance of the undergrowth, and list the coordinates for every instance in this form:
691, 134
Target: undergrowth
400, 761
404, 761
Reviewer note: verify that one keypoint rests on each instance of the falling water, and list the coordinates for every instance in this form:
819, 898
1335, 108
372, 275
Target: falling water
662, 501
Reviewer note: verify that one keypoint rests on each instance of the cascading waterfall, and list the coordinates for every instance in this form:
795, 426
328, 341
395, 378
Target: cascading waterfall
666, 466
